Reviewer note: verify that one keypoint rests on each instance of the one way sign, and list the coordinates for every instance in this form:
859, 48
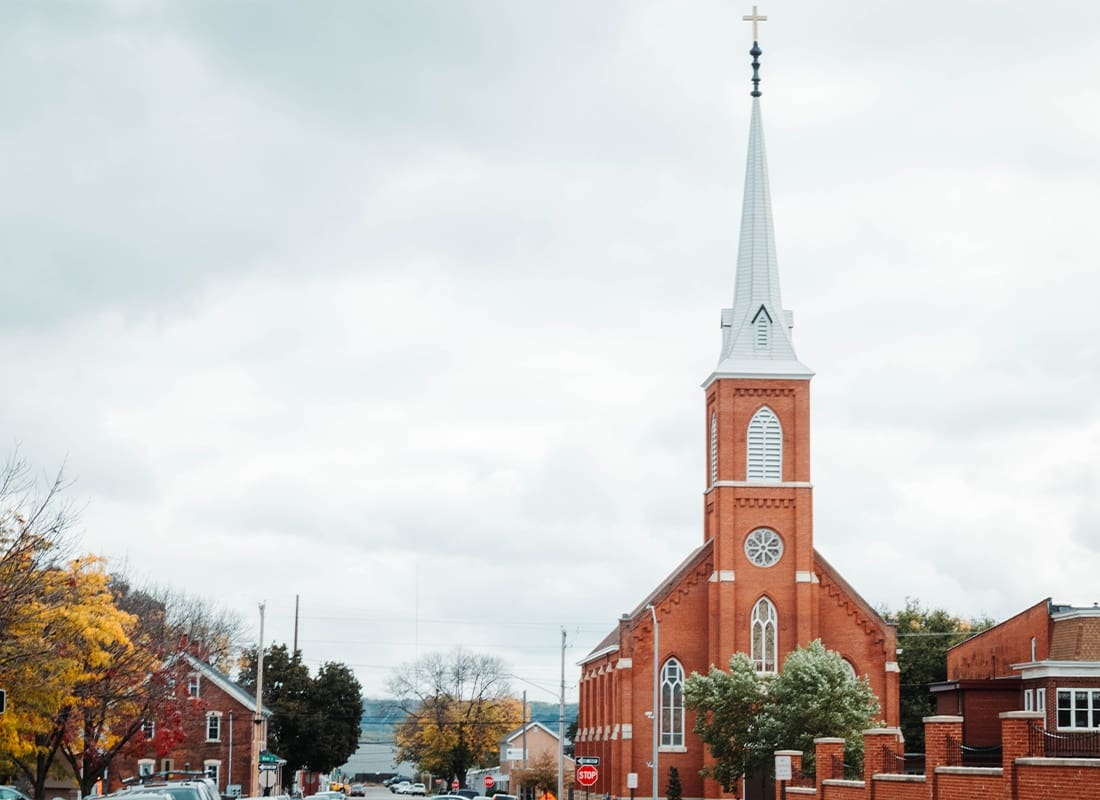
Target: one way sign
588, 761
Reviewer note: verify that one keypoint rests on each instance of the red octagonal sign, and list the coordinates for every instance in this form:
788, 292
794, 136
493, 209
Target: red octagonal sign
489, 781
587, 775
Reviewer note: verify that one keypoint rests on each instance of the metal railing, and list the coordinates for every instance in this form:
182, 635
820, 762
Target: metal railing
894, 763
1062, 744
962, 755
850, 772
806, 780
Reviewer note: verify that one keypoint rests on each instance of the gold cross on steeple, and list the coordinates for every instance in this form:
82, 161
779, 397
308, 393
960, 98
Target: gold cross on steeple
754, 18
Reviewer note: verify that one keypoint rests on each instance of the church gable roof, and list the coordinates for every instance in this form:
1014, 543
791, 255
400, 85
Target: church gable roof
835, 586
686, 567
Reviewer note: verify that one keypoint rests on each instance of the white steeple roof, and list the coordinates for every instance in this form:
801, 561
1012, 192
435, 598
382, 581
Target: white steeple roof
756, 332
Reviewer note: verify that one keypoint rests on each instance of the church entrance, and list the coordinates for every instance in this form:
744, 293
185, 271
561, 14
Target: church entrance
760, 786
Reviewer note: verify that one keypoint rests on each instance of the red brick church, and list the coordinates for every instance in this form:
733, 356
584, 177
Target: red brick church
756, 584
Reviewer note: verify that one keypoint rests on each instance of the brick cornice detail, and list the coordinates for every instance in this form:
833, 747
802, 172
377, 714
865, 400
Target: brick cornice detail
764, 502
749, 391
852, 609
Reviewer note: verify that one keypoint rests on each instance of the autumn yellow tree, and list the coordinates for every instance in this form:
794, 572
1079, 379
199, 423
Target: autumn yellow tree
458, 706
75, 620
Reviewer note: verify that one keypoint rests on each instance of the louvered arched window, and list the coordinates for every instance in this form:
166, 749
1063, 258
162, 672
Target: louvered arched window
713, 449
672, 704
763, 328
765, 448
763, 636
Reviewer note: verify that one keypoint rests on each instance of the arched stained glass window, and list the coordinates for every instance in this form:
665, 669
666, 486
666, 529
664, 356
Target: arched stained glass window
672, 704
765, 448
763, 636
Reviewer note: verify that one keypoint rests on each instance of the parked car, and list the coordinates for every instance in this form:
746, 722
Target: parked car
11, 793
467, 793
413, 788
397, 787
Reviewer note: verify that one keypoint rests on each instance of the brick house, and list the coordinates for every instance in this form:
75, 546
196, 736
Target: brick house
214, 716
1045, 659
756, 584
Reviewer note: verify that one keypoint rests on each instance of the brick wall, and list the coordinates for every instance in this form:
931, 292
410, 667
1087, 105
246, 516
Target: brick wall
991, 653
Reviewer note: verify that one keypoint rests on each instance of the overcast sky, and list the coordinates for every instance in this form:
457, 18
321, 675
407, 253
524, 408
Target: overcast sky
403, 307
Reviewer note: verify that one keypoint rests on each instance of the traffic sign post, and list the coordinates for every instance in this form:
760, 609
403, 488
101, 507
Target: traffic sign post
587, 775
588, 761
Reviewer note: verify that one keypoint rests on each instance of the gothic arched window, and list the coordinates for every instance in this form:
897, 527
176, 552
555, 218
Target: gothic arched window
763, 636
672, 704
713, 449
765, 448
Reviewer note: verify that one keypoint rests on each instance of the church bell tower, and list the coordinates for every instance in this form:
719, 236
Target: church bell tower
758, 500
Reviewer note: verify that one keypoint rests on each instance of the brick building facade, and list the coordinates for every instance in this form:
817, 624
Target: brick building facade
214, 716
756, 584
1044, 659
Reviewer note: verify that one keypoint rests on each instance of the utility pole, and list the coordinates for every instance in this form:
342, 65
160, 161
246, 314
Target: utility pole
656, 696
561, 724
295, 650
258, 719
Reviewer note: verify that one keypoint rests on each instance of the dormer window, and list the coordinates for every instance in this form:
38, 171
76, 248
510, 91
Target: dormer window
765, 448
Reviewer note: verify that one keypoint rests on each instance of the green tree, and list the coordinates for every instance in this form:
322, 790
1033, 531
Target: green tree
570, 737
315, 721
744, 717
674, 791
816, 695
924, 637
459, 706
728, 704
336, 712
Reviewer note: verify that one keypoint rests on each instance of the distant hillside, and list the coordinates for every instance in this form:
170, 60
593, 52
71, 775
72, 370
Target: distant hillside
381, 715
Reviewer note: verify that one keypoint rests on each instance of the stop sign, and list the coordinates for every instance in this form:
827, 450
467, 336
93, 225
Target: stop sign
454, 783
488, 781
587, 775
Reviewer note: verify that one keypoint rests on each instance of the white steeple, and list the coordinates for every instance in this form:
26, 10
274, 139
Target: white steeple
756, 332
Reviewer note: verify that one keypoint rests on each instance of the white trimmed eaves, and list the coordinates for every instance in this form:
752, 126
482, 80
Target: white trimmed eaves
598, 654
222, 681
1058, 669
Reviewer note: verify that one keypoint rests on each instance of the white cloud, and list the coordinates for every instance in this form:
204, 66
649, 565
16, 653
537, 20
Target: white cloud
404, 307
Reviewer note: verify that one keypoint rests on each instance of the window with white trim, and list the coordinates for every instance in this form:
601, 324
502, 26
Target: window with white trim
166, 765
765, 448
1079, 708
212, 768
148, 730
1041, 700
214, 726
192, 685
713, 449
1029, 700
763, 636
145, 766
672, 704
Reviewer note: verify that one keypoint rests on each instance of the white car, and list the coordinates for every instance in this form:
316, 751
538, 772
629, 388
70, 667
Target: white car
413, 788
